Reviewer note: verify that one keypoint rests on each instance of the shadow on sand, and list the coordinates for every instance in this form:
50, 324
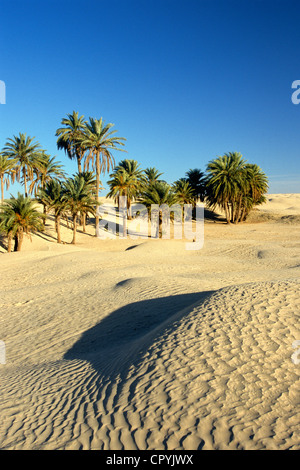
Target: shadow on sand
115, 348
122, 338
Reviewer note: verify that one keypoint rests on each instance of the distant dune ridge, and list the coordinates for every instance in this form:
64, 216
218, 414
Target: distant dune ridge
141, 344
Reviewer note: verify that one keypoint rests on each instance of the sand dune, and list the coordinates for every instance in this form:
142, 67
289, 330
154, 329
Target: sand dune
136, 344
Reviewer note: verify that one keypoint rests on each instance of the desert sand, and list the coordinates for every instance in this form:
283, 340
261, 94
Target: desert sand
141, 344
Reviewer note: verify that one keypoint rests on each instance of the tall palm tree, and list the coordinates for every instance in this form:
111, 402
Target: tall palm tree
26, 152
158, 194
70, 137
6, 172
77, 196
51, 196
100, 140
18, 216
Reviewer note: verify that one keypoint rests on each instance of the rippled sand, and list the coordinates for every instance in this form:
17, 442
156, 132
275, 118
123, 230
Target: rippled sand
122, 344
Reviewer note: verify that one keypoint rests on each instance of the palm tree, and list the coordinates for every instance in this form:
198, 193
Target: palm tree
77, 196
122, 184
256, 183
235, 185
90, 181
19, 216
131, 167
184, 192
126, 180
51, 196
158, 194
152, 175
100, 140
6, 172
46, 169
70, 137
196, 178
224, 182
26, 152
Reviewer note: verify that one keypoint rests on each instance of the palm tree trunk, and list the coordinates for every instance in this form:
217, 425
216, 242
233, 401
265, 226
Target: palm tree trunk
232, 211
9, 242
227, 212
57, 226
129, 208
25, 181
20, 240
74, 228
79, 165
97, 187
239, 210
45, 213
2, 189
160, 226
242, 214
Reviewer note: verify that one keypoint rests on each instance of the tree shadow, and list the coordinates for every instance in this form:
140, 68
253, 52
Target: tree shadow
120, 340
46, 236
212, 216
3, 242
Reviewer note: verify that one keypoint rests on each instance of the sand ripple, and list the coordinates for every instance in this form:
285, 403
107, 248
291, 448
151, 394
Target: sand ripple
211, 371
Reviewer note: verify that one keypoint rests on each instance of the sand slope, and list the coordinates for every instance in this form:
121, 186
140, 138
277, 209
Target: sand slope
144, 345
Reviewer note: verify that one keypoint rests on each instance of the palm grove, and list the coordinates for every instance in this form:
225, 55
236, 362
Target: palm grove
229, 182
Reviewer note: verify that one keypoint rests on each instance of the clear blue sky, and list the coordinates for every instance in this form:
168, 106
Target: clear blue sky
182, 80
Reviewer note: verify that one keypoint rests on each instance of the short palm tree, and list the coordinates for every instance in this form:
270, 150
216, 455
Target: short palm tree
126, 180
122, 184
78, 198
100, 140
224, 182
256, 184
51, 196
18, 215
184, 192
90, 181
118, 185
196, 178
235, 185
6, 172
158, 194
26, 152
151, 175
70, 137
131, 167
